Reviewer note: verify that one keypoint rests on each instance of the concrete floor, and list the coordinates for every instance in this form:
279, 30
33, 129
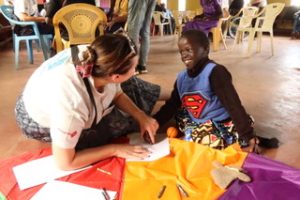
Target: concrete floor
269, 87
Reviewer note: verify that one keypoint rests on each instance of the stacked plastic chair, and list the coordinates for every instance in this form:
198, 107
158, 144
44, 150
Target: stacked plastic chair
81, 22
43, 41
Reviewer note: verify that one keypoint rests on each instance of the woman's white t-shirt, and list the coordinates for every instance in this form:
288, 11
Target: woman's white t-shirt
55, 97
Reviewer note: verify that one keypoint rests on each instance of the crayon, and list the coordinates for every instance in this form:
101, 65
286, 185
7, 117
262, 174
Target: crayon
161, 192
105, 194
104, 171
182, 191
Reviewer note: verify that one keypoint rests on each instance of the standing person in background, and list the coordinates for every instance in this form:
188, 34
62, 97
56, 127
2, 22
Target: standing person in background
296, 26
27, 10
139, 20
118, 17
212, 12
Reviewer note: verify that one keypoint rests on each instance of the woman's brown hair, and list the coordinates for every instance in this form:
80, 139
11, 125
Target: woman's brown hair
110, 54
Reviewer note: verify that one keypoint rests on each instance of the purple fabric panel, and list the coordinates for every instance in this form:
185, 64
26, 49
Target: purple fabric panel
204, 26
271, 180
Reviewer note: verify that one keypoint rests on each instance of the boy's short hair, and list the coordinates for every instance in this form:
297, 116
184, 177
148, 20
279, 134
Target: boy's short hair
196, 37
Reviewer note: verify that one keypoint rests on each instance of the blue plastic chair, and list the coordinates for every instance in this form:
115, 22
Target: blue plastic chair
43, 40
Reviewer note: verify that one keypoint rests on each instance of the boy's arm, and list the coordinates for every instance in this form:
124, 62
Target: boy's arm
221, 84
146, 122
168, 110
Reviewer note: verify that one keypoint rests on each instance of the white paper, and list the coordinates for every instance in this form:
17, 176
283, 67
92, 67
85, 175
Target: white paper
59, 190
158, 150
39, 171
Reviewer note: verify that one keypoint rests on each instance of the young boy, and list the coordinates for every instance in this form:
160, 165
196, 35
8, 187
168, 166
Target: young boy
204, 101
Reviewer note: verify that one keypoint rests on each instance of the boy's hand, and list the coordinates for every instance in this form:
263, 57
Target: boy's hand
252, 147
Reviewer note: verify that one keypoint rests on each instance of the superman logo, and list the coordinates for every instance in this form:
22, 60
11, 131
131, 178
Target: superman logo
194, 103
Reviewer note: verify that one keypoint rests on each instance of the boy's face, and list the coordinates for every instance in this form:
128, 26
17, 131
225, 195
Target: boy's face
191, 54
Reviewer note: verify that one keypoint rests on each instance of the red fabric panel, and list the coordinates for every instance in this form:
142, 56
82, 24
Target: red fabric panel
90, 177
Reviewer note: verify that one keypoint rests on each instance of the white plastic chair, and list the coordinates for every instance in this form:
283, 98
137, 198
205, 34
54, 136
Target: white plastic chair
157, 16
244, 22
43, 40
218, 34
178, 22
265, 24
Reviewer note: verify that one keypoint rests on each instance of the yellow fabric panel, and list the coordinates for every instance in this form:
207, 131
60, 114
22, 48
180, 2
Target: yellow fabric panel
189, 164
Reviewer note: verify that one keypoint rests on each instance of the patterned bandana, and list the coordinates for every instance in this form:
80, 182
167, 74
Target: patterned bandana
85, 70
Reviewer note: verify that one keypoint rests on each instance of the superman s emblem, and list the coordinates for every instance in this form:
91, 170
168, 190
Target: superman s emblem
194, 103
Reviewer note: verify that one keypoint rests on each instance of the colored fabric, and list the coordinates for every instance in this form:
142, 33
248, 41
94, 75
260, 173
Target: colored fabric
189, 164
198, 98
90, 177
211, 133
270, 180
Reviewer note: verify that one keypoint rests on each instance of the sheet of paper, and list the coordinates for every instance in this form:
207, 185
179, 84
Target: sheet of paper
60, 190
160, 149
39, 171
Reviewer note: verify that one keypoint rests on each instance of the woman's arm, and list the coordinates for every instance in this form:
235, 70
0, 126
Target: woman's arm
26, 17
69, 159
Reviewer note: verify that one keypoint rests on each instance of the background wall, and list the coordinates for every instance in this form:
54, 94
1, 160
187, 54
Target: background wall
192, 4
172, 4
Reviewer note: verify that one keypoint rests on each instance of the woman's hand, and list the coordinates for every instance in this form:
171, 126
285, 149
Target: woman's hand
252, 146
131, 151
148, 124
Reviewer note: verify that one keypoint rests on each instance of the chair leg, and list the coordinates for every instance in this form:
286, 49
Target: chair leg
235, 42
161, 30
170, 27
250, 42
153, 30
258, 46
272, 44
29, 51
16, 48
44, 47
216, 39
14, 41
223, 38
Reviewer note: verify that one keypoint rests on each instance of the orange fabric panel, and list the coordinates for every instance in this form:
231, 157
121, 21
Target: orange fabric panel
189, 164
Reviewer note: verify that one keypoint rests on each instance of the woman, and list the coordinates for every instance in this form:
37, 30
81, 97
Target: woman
212, 11
64, 101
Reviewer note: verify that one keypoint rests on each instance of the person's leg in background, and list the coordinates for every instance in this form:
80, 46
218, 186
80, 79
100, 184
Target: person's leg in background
296, 27
135, 20
145, 36
139, 20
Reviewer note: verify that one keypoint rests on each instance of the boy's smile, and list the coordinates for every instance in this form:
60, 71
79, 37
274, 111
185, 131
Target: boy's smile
191, 54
